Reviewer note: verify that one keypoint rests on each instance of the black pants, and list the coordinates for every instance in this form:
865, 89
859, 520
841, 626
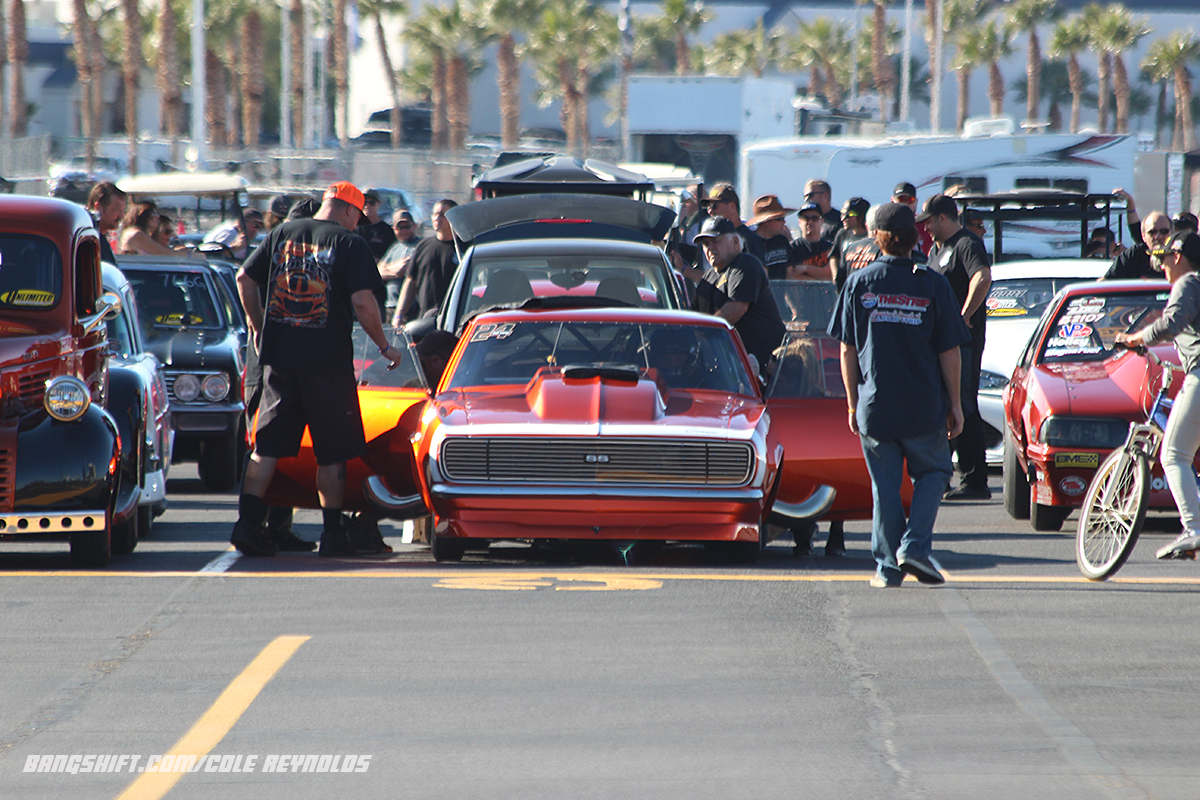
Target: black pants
969, 446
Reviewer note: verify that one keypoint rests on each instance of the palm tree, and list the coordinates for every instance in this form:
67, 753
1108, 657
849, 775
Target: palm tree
685, 18
83, 68
1025, 16
132, 68
462, 34
739, 52
299, 76
18, 54
1070, 39
968, 54
1056, 90
1169, 57
374, 11
424, 33
825, 43
881, 64
170, 86
655, 48
3, 64
1092, 19
995, 46
214, 102
341, 72
506, 19
253, 84
1119, 32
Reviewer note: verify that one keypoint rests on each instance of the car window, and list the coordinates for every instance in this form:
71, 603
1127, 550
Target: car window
371, 369
1021, 298
683, 357
170, 301
31, 272
627, 280
121, 337
805, 305
807, 365
1084, 327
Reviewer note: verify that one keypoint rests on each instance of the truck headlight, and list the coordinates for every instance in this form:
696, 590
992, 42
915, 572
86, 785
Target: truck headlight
215, 387
66, 398
1101, 433
186, 388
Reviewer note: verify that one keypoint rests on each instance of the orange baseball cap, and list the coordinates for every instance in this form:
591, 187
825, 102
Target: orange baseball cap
346, 192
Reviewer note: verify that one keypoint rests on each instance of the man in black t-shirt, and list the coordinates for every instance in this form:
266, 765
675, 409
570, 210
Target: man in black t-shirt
1135, 262
960, 256
818, 192
850, 238
722, 201
773, 234
318, 276
378, 232
736, 289
433, 263
810, 250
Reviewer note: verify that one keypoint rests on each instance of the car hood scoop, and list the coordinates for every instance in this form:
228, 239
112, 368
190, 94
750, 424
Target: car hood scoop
595, 393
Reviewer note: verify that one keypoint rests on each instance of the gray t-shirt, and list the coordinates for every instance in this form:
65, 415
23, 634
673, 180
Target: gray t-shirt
1180, 321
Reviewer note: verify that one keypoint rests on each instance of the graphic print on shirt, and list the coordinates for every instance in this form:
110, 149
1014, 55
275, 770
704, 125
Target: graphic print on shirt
300, 278
895, 308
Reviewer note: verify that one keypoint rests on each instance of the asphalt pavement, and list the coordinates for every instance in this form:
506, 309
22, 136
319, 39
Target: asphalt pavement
567, 674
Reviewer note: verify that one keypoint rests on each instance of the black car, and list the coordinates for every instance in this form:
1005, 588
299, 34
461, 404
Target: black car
189, 321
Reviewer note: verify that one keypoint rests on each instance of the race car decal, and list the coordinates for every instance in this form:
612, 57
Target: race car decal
1072, 486
1091, 460
28, 297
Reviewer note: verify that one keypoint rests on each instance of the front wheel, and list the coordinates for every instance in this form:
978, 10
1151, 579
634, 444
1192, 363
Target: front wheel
1113, 511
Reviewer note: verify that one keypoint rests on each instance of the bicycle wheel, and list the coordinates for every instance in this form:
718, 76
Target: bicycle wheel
1112, 514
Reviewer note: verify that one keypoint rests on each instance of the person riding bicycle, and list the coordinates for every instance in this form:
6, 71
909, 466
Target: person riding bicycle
1180, 321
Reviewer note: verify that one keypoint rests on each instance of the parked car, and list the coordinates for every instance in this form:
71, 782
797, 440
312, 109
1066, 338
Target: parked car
616, 425
1072, 396
521, 248
71, 179
1020, 293
148, 433
61, 460
190, 324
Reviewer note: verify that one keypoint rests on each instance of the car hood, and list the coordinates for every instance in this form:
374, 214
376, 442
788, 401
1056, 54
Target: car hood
193, 347
1114, 387
26, 341
555, 404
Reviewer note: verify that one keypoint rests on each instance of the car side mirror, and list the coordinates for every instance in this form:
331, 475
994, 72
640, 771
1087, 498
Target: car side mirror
108, 306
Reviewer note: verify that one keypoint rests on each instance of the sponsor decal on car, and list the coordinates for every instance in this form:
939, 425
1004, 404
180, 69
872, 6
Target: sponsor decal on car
1072, 485
1081, 303
1075, 330
1091, 460
28, 297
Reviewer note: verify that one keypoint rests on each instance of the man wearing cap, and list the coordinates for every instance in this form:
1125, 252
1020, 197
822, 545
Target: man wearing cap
1184, 222
960, 256
429, 271
901, 331
772, 231
1135, 263
319, 276
906, 194
231, 234
818, 191
722, 201
810, 250
393, 267
277, 210
378, 232
850, 239
736, 289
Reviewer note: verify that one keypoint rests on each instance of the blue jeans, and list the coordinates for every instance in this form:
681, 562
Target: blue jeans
892, 536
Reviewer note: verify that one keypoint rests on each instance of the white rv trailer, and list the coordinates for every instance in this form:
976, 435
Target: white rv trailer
984, 164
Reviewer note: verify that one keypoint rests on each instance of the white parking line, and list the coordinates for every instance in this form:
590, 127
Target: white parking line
221, 562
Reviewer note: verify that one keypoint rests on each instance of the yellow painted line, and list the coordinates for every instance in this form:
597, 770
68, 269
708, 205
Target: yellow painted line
211, 728
959, 578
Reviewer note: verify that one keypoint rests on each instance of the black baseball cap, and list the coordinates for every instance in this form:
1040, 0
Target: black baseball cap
1186, 244
714, 227
939, 204
1184, 220
721, 193
856, 207
905, 190
895, 218
808, 207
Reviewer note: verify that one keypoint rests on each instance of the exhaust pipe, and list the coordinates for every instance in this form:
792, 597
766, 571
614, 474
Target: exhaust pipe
391, 505
787, 515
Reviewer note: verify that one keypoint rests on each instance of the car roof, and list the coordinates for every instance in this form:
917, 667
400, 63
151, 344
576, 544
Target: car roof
565, 246
183, 183
1117, 287
642, 316
1081, 268
163, 264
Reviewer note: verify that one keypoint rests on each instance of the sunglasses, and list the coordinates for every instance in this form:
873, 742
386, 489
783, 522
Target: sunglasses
810, 218
1160, 231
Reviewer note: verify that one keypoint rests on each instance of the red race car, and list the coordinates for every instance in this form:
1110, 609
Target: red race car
1072, 396
602, 424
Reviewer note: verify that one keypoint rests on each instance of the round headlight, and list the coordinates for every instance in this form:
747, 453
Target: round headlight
66, 398
186, 388
215, 387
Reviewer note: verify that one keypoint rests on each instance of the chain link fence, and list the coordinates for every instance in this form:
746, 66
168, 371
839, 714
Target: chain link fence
25, 164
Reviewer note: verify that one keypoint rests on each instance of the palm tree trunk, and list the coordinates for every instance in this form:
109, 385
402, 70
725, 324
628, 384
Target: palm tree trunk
833, 90
582, 118
83, 67
508, 74
394, 118
99, 70
233, 117
1033, 77
132, 70
299, 77
1160, 114
1121, 91
816, 86
459, 105
935, 63
214, 105
438, 124
169, 83
996, 89
18, 54
341, 71
1102, 72
881, 65
964, 96
1075, 78
1183, 96
253, 81
683, 55
566, 78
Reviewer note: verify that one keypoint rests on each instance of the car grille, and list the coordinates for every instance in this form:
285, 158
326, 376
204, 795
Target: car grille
32, 388
600, 461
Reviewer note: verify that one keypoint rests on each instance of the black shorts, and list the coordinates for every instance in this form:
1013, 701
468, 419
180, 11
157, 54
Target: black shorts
327, 404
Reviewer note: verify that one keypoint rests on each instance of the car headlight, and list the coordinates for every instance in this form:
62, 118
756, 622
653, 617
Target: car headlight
1101, 433
215, 387
991, 381
186, 388
66, 398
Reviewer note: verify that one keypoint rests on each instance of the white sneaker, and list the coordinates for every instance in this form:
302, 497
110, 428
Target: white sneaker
1185, 546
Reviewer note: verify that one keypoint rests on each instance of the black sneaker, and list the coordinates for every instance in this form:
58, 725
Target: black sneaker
251, 540
364, 534
335, 544
924, 570
968, 493
288, 542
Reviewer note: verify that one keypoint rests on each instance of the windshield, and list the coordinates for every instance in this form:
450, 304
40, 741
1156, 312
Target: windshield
1084, 328
682, 356
807, 365
805, 305
30, 272
175, 300
626, 279
1023, 298
371, 369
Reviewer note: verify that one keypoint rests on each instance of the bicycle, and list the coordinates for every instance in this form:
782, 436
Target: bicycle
1114, 507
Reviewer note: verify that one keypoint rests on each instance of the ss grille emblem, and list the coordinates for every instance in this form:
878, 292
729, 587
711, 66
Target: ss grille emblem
592, 458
